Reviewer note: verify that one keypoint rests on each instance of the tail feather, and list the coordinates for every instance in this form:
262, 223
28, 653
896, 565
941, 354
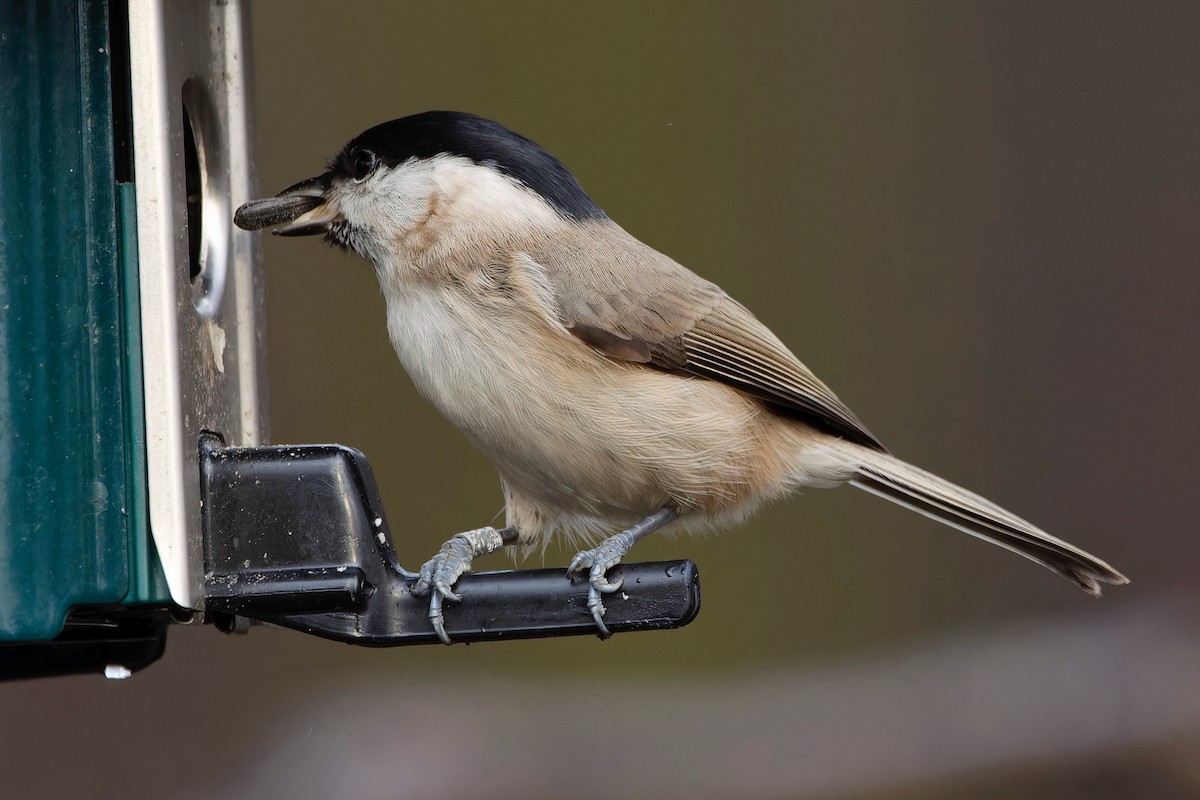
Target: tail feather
927, 494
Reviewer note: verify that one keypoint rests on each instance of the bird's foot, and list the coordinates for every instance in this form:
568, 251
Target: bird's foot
599, 560
438, 574
606, 555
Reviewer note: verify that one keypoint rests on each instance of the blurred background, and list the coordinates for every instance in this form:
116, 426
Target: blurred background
978, 222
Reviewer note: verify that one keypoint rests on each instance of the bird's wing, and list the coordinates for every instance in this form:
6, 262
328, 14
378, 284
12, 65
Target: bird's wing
632, 303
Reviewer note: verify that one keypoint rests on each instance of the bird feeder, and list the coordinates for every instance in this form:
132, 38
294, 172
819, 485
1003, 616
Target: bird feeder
137, 488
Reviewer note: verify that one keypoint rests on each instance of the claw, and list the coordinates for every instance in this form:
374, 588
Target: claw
445, 591
581, 561
599, 560
436, 618
596, 606
439, 590
600, 585
608, 554
438, 574
603, 584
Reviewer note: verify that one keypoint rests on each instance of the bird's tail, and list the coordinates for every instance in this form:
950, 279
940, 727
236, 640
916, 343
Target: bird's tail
927, 494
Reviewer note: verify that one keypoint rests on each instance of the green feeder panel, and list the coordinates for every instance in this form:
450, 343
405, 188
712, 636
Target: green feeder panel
73, 520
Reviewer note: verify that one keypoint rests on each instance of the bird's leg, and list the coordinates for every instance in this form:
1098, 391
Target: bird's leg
438, 574
606, 555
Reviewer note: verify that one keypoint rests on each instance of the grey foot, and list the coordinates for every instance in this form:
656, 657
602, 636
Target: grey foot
599, 560
439, 574
606, 555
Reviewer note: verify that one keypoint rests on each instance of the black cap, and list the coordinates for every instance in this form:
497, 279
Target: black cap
480, 140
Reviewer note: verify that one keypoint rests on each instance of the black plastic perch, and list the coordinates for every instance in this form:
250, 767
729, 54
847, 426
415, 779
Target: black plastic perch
297, 536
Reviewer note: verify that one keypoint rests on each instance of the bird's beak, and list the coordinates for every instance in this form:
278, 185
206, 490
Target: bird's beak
301, 209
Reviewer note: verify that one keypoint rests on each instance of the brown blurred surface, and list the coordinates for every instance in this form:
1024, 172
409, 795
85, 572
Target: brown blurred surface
976, 221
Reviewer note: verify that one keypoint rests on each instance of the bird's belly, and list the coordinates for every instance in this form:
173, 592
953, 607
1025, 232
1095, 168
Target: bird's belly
581, 442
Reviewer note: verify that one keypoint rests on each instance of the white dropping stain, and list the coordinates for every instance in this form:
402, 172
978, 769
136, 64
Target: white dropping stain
378, 521
115, 672
216, 339
382, 539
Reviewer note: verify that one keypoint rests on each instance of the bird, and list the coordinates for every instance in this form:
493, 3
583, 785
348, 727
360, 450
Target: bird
616, 392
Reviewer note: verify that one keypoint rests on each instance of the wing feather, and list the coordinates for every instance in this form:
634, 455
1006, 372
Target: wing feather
634, 304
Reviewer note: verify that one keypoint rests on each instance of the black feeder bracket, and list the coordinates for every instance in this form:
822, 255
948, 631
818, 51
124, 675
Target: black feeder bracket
297, 536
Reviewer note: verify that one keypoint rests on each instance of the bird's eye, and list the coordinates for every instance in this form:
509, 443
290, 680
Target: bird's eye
362, 164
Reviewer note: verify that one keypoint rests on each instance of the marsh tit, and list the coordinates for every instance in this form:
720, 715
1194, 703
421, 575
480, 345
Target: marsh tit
613, 388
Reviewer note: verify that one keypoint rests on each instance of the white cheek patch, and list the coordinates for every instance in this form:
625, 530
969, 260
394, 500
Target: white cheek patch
486, 198
388, 205
419, 211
